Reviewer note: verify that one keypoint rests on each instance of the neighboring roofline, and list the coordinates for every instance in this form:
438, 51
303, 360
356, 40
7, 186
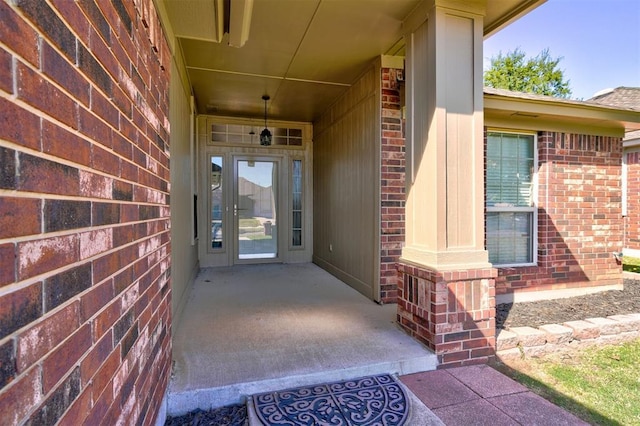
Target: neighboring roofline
538, 112
553, 100
605, 93
632, 142
602, 93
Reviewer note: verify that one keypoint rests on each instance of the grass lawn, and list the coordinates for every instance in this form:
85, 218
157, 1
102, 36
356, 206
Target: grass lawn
631, 264
259, 237
249, 223
599, 385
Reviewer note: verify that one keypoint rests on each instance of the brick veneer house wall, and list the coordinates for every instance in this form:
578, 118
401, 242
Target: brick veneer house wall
579, 228
579, 216
628, 97
392, 186
632, 219
84, 212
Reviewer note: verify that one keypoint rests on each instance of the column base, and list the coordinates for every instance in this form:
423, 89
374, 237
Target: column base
445, 260
452, 312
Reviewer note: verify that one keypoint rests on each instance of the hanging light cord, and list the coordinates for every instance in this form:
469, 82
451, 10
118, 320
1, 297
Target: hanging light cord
265, 110
265, 136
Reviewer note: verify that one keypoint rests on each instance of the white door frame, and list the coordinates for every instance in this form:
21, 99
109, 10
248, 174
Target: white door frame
227, 255
280, 206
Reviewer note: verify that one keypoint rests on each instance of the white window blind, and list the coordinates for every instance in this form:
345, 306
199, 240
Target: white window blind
511, 161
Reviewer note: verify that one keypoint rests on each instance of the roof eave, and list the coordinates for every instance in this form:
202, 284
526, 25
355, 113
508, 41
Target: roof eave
559, 115
513, 15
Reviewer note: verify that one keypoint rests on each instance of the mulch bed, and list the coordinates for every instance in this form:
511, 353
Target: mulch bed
232, 415
535, 314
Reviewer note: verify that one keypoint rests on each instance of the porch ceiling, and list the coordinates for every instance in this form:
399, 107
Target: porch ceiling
303, 53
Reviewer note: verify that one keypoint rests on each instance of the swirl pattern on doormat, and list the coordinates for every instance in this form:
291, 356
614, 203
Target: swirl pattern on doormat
375, 400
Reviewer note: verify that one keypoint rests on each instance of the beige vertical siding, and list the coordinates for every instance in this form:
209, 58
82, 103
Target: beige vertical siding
346, 186
184, 262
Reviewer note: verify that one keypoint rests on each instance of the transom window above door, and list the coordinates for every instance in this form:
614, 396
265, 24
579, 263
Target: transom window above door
238, 134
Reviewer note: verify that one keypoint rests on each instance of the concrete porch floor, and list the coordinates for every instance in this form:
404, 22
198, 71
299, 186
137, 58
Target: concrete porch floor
259, 328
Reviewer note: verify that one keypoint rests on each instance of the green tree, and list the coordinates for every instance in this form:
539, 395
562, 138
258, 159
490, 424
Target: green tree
540, 74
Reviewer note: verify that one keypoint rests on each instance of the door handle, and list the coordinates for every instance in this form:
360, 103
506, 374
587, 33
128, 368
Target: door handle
236, 210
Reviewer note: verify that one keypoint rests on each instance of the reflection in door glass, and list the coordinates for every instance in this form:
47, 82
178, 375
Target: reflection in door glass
216, 203
256, 210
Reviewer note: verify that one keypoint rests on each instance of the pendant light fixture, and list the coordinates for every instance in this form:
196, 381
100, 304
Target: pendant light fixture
265, 136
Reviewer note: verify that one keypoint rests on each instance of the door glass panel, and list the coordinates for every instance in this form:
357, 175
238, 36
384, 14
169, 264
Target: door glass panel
216, 203
256, 210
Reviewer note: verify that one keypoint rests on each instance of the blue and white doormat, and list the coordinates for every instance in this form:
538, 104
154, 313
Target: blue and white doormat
375, 400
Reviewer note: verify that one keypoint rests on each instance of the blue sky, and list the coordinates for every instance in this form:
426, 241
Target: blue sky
599, 41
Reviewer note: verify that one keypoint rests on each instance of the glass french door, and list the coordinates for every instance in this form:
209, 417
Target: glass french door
255, 209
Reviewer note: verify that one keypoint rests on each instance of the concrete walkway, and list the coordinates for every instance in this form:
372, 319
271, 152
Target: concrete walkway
480, 395
259, 328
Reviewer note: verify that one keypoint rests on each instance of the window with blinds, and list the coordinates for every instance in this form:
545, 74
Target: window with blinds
510, 221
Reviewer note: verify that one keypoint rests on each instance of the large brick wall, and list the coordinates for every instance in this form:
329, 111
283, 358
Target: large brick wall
84, 212
392, 192
632, 220
579, 215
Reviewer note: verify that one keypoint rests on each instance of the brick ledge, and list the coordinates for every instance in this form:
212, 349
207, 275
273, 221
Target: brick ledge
523, 342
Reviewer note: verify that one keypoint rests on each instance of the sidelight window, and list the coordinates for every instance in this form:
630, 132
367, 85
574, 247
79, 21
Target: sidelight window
217, 203
296, 207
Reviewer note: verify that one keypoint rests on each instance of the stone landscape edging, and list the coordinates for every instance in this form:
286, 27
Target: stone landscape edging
523, 342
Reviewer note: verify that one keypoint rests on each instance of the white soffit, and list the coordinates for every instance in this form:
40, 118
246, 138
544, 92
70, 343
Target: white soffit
345, 36
239, 22
303, 53
500, 13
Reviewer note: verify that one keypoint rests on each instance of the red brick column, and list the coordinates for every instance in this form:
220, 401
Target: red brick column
392, 186
452, 312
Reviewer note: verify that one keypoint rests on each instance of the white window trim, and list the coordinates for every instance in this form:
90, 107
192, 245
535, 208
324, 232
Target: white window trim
193, 162
225, 189
625, 185
625, 176
257, 125
534, 202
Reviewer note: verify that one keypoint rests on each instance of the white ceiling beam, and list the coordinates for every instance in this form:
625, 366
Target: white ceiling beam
239, 22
